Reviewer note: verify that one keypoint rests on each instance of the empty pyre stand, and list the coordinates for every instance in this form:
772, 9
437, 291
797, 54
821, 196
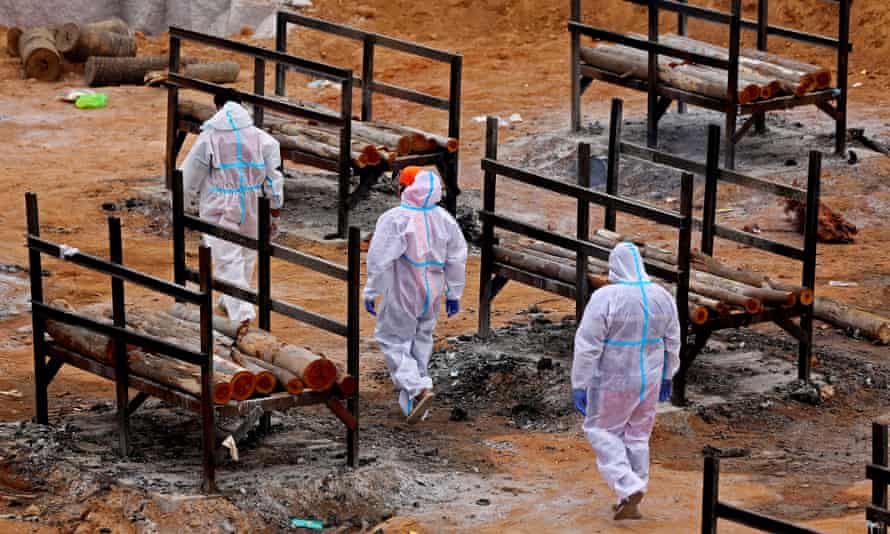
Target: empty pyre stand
252, 410
179, 125
495, 274
661, 95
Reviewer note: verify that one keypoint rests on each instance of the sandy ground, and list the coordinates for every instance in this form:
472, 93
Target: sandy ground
515, 61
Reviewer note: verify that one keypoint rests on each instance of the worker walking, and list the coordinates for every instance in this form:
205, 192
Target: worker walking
232, 163
417, 253
627, 348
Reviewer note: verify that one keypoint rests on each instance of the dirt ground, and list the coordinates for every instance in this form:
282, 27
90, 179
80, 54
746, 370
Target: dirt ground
502, 452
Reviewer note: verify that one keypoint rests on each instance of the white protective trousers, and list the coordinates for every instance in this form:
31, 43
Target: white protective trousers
628, 341
418, 252
232, 163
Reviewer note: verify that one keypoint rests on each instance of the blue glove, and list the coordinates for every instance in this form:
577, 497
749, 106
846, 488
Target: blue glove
452, 307
369, 307
664, 394
579, 396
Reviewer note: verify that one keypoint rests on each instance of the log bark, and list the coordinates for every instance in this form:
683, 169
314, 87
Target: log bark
317, 373
431, 142
551, 269
93, 42
749, 304
821, 75
113, 25
214, 72
868, 324
286, 379
628, 61
394, 142
720, 308
784, 299
101, 70
13, 35
703, 262
329, 138
66, 36
265, 380
40, 59
243, 381
223, 325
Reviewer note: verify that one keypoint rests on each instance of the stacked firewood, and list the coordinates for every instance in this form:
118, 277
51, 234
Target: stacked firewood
374, 144
762, 75
716, 289
247, 363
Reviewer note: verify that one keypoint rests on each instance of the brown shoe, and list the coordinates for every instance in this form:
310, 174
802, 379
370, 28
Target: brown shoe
421, 405
629, 508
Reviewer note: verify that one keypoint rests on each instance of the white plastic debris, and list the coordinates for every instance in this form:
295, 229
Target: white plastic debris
230, 444
516, 117
857, 85
66, 252
842, 283
319, 84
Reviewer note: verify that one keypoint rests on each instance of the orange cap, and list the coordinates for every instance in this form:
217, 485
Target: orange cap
406, 177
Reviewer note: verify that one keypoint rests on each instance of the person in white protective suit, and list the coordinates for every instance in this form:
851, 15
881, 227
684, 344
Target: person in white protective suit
232, 163
627, 348
418, 252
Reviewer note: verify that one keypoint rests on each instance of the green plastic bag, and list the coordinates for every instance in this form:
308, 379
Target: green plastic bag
98, 100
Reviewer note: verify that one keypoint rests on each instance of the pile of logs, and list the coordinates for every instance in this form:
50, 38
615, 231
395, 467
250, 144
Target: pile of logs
832, 228
374, 144
762, 75
247, 363
716, 289
42, 49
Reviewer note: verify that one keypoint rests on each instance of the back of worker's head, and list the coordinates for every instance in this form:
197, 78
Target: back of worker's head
420, 187
220, 100
626, 264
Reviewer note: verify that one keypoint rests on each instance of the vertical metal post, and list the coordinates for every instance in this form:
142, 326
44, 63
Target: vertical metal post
684, 245
368, 77
259, 87
762, 36
178, 229
613, 161
205, 268
732, 83
345, 165
488, 205
712, 170
35, 266
710, 495
264, 264
681, 30
652, 115
121, 365
811, 226
582, 289
452, 163
575, 68
281, 46
840, 131
354, 261
879, 457
172, 113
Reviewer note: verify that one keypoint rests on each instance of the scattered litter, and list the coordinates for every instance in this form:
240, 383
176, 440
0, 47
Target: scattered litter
857, 85
483, 502
725, 210
516, 117
454, 373
66, 252
791, 163
93, 101
230, 444
14, 393
319, 84
752, 228
480, 119
852, 157
842, 283
306, 523
70, 94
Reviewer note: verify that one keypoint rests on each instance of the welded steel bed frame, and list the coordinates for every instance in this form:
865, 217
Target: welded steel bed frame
494, 275
878, 471
713, 508
252, 411
178, 127
660, 95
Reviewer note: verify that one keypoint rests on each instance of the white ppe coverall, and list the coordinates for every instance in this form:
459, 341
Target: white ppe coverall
628, 341
418, 252
232, 163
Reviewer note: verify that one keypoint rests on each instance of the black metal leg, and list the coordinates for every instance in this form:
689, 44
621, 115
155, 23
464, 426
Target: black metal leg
760, 123
710, 495
729, 145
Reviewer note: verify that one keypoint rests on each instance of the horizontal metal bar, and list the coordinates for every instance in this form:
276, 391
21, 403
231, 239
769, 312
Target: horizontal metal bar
310, 262
409, 95
534, 280
310, 318
144, 385
877, 514
381, 40
878, 473
759, 521
149, 343
742, 319
795, 35
663, 90
311, 159
200, 225
789, 101
648, 46
274, 104
696, 12
275, 401
322, 70
417, 159
569, 243
676, 162
752, 240
224, 287
117, 271
595, 197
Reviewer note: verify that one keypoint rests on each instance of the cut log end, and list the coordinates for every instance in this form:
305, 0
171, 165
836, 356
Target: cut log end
265, 382
753, 306
320, 375
66, 37
805, 297
222, 393
698, 314
453, 145
372, 155
823, 79
348, 385
243, 385
295, 386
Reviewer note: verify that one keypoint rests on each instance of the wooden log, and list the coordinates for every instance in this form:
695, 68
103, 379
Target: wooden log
264, 380
395, 142
432, 141
317, 373
708, 264
223, 325
784, 299
551, 269
40, 59
749, 304
93, 42
66, 36
196, 111
101, 70
868, 324
13, 36
286, 379
327, 137
243, 381
720, 308
697, 314
629, 61
832, 226
348, 385
821, 75
214, 71
113, 25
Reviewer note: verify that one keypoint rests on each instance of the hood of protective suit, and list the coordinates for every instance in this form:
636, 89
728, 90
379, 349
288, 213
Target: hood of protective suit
232, 116
626, 264
425, 192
